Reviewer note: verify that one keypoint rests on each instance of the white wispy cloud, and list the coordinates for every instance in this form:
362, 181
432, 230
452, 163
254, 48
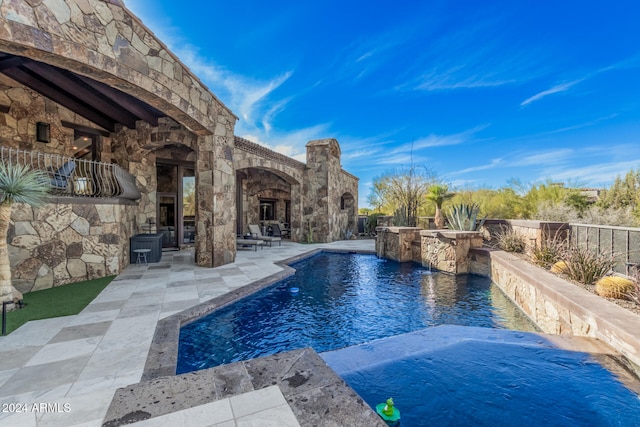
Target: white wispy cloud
457, 60
596, 174
493, 164
562, 87
543, 158
246, 95
630, 62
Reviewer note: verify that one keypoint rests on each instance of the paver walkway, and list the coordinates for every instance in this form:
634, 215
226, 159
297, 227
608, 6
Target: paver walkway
65, 371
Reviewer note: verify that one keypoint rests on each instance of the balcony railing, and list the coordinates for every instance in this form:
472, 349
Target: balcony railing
72, 177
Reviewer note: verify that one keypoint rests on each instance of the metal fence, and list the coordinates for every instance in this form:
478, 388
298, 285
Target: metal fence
68, 176
622, 242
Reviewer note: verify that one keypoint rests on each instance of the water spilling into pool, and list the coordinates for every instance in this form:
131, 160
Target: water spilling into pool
342, 300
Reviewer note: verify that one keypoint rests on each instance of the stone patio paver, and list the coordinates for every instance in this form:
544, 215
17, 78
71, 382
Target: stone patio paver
65, 371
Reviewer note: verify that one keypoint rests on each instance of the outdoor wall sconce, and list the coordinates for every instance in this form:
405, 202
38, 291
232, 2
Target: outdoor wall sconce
43, 132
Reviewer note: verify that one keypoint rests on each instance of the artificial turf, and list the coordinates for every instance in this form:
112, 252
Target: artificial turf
56, 302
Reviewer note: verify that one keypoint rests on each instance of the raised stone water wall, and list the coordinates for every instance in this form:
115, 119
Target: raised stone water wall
444, 250
396, 243
448, 250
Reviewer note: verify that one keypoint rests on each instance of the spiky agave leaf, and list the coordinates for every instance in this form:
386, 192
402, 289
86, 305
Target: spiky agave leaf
465, 217
21, 184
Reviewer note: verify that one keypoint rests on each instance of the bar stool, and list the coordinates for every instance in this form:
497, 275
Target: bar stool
142, 255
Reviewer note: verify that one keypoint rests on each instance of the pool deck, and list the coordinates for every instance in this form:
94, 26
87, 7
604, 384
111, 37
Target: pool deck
65, 371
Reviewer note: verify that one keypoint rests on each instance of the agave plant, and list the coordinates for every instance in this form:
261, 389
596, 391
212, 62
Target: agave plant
464, 217
18, 184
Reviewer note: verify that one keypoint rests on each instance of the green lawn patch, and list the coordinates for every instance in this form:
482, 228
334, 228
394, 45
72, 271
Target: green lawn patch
56, 302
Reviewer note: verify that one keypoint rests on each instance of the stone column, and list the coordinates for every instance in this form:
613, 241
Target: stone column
216, 195
204, 202
296, 213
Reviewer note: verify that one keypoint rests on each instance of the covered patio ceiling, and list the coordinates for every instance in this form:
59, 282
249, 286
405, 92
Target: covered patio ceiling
93, 100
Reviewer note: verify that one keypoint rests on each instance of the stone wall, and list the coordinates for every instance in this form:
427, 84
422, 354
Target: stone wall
533, 232
103, 41
560, 307
448, 251
324, 187
62, 243
26, 108
396, 243
265, 170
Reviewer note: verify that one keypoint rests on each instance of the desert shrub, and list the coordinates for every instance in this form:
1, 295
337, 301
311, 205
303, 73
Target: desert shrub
510, 240
586, 266
562, 212
614, 287
549, 252
634, 292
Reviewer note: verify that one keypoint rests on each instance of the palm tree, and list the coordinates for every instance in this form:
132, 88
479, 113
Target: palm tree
439, 194
18, 184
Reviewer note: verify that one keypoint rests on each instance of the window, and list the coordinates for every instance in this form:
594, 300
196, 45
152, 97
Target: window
84, 146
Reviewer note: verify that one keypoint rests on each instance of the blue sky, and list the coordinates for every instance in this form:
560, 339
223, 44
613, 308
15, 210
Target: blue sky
479, 92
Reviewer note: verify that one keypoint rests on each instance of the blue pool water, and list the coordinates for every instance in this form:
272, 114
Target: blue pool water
342, 300
465, 376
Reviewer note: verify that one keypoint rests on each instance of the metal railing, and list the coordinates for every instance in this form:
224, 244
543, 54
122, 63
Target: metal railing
622, 242
73, 177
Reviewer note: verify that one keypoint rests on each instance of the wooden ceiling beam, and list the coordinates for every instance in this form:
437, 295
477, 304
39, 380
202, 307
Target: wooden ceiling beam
140, 109
11, 61
70, 84
34, 82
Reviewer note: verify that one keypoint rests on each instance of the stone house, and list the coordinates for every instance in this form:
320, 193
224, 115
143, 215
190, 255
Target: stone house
86, 88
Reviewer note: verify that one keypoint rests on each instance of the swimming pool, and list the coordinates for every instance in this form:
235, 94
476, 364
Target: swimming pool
342, 300
458, 376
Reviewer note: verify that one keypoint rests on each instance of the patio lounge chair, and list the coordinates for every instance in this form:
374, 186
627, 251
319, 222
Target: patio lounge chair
242, 242
257, 234
279, 231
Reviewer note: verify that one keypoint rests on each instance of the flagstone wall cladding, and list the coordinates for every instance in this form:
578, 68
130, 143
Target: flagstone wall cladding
61, 243
104, 41
26, 108
396, 242
448, 250
316, 188
325, 184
